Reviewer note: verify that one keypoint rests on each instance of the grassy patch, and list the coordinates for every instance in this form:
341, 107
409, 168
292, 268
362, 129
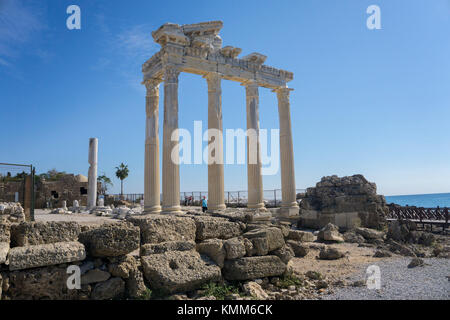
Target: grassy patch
289, 280
219, 290
147, 295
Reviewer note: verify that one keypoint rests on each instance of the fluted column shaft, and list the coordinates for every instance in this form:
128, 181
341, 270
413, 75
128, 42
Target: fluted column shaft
171, 169
152, 202
288, 193
254, 177
216, 190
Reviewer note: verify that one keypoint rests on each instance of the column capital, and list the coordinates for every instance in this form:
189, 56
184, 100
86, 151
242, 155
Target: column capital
171, 73
283, 90
251, 88
213, 79
152, 86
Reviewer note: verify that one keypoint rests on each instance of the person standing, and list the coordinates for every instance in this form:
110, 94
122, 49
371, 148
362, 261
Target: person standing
204, 204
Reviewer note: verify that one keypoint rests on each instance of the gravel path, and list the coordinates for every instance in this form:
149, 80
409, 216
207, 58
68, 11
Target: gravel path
398, 282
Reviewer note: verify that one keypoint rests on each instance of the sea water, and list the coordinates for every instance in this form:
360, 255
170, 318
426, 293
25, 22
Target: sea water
431, 200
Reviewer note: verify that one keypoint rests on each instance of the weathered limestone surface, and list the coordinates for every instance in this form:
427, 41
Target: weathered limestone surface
135, 285
369, 234
330, 233
111, 240
347, 202
178, 271
11, 212
33, 233
248, 268
5, 232
272, 235
4, 249
235, 248
214, 249
162, 228
221, 228
299, 248
45, 255
330, 253
152, 248
303, 236
122, 266
49, 283
94, 276
113, 288
285, 253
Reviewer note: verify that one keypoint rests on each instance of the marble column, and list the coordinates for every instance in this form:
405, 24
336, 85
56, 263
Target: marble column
289, 206
254, 177
152, 201
171, 169
92, 174
216, 192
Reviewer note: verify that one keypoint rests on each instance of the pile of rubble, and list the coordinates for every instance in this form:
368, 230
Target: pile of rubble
120, 212
172, 253
11, 212
177, 255
347, 202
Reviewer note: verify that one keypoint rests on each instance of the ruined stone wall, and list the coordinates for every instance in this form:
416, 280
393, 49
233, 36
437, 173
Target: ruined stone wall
347, 202
68, 188
170, 254
8, 190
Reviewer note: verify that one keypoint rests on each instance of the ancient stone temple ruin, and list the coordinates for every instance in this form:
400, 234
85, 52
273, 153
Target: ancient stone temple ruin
197, 48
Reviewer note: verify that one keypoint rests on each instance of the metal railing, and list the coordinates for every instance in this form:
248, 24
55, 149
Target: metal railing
17, 184
430, 216
272, 198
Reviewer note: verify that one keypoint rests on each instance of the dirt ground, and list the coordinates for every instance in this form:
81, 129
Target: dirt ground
335, 270
82, 218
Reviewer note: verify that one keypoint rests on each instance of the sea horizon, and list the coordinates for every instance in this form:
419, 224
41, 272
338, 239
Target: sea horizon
426, 200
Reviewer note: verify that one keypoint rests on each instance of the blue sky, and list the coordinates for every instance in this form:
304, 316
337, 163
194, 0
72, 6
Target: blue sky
375, 102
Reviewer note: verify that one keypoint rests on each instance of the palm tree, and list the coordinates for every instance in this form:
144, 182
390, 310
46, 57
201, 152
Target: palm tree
122, 173
105, 183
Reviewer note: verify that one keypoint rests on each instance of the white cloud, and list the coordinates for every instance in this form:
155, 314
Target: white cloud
136, 42
132, 46
19, 24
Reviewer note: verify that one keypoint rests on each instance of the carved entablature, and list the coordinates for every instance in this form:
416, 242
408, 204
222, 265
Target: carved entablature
197, 48
230, 52
256, 58
170, 33
204, 35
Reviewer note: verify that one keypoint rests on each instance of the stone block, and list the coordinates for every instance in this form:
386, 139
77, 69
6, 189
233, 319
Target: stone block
249, 268
219, 228
178, 271
152, 248
161, 228
34, 233
45, 255
111, 240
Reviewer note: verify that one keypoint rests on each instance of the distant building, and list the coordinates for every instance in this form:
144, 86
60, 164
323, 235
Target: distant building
68, 187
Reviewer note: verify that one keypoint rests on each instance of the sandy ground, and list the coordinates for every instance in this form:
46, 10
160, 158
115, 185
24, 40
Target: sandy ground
356, 258
82, 218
